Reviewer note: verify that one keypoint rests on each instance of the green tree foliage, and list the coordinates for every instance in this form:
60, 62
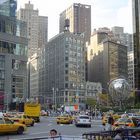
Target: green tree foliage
91, 102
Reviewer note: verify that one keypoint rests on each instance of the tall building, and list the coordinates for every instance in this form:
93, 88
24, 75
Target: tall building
65, 69
42, 31
136, 37
130, 55
13, 58
79, 16
126, 39
34, 76
37, 28
8, 7
107, 59
117, 30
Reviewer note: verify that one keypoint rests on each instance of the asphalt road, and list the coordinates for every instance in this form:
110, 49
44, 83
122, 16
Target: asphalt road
47, 123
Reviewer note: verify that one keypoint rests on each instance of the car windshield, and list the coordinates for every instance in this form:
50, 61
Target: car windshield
124, 120
18, 116
83, 117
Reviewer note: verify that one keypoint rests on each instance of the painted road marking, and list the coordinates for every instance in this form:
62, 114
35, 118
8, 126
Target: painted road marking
40, 133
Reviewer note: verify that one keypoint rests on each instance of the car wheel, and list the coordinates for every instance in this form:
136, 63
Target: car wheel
20, 130
89, 126
32, 123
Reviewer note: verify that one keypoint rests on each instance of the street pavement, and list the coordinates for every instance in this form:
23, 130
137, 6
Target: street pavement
47, 123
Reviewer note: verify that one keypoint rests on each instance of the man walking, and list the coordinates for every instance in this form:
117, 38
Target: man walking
110, 122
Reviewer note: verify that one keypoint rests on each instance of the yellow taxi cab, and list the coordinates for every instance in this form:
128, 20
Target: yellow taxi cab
123, 122
64, 119
7, 126
105, 118
23, 119
116, 116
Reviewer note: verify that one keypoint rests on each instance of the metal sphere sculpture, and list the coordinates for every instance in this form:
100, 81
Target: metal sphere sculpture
119, 90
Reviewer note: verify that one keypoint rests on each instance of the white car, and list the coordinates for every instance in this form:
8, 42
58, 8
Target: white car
83, 120
1, 114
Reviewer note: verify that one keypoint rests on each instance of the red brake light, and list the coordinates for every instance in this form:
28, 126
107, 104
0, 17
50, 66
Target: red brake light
126, 124
16, 120
116, 124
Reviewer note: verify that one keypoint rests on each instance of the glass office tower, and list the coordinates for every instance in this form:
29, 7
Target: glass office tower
8, 7
13, 57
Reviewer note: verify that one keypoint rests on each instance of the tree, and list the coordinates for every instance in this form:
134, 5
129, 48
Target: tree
91, 102
103, 98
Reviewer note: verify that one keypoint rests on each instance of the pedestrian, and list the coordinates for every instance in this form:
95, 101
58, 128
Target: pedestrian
119, 135
103, 127
53, 133
110, 122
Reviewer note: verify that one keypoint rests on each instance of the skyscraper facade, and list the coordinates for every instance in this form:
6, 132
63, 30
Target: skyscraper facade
8, 7
79, 16
65, 69
107, 59
136, 37
37, 28
13, 58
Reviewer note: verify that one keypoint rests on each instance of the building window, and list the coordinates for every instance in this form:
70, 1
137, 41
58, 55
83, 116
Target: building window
66, 78
66, 58
66, 65
2, 85
2, 74
2, 61
66, 71
66, 85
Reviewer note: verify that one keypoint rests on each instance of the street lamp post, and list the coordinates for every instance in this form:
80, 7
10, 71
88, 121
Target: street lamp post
7, 102
54, 97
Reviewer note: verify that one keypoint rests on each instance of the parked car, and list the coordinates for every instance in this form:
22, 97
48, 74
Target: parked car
23, 119
83, 120
8, 126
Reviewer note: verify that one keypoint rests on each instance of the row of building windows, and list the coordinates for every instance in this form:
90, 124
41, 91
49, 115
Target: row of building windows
13, 27
73, 40
17, 49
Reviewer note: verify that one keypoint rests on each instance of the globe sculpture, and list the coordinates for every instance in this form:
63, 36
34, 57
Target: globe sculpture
119, 91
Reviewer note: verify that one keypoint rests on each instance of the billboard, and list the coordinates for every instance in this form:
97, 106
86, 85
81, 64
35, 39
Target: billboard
70, 108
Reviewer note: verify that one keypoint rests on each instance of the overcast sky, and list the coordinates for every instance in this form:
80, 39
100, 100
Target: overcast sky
105, 13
